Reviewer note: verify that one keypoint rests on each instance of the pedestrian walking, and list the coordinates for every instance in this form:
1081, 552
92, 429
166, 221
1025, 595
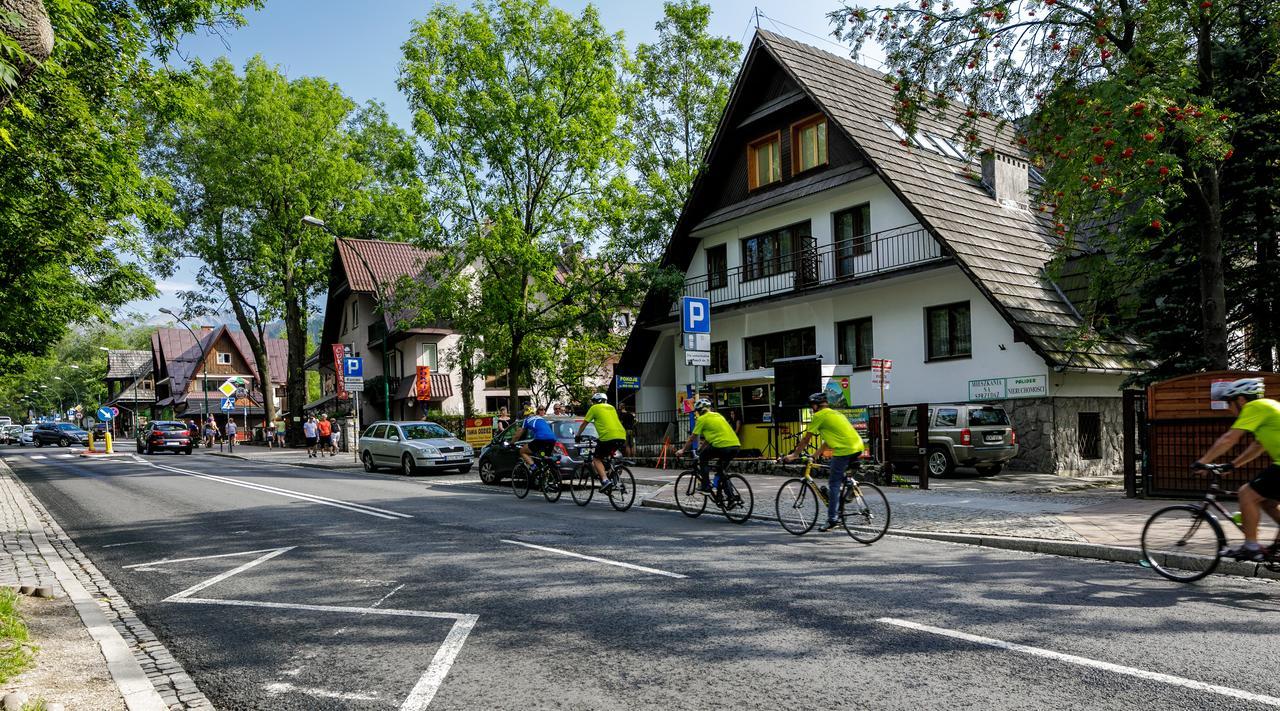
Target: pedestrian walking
324, 428
309, 433
210, 432
279, 428
231, 434
270, 431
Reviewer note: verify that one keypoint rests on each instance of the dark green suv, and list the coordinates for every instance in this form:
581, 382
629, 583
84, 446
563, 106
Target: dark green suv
965, 435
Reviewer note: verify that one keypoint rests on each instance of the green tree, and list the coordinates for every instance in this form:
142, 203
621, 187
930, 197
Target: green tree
1119, 103
683, 83
522, 109
72, 194
245, 158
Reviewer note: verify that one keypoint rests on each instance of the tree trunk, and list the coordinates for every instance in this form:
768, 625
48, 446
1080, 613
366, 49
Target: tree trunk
468, 386
1213, 297
296, 377
513, 377
34, 36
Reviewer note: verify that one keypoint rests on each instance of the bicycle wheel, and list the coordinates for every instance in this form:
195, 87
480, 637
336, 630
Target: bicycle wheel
691, 503
623, 493
796, 506
1182, 543
551, 482
520, 480
736, 499
583, 485
866, 515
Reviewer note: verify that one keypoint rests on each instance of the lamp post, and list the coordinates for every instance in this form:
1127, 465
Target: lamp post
380, 301
204, 386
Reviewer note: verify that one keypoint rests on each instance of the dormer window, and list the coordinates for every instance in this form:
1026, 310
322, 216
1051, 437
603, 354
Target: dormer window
808, 144
764, 160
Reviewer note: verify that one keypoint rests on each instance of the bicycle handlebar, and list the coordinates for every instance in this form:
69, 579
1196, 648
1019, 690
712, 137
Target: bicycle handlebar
1215, 468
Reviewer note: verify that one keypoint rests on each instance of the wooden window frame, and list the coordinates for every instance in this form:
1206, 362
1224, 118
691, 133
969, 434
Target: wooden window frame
861, 247
781, 336
718, 278
951, 334
751, 159
799, 126
750, 270
844, 358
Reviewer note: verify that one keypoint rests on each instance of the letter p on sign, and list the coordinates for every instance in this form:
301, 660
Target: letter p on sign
696, 313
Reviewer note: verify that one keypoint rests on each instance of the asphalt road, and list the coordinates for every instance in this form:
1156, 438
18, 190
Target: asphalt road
429, 597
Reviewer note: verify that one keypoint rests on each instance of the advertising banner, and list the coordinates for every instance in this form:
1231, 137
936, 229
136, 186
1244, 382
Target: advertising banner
339, 352
423, 385
479, 431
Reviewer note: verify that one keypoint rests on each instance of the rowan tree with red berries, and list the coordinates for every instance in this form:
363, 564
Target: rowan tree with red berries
1116, 102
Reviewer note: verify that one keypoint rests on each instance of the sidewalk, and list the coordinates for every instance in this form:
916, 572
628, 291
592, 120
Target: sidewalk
286, 455
87, 656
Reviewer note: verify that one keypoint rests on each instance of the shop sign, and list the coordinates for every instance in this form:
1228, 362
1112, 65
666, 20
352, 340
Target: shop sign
478, 431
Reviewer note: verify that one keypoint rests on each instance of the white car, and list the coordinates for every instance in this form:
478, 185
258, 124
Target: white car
27, 436
413, 447
9, 434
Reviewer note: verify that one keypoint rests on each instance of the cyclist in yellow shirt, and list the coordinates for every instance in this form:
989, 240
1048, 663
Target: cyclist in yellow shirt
719, 443
834, 429
611, 436
1261, 417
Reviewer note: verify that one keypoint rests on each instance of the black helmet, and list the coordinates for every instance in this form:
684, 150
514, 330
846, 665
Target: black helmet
818, 399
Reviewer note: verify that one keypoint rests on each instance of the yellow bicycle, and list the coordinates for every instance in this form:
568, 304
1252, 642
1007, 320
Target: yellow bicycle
864, 510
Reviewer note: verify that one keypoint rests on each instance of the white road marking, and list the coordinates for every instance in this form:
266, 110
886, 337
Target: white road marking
594, 559
117, 545
162, 561
289, 493
1086, 662
284, 687
428, 684
383, 599
65, 456
38, 456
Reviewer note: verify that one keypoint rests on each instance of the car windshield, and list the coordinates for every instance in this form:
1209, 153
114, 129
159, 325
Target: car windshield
168, 426
67, 426
425, 430
987, 417
566, 429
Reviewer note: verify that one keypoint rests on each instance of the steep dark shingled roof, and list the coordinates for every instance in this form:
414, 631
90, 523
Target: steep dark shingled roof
387, 260
1004, 250
127, 365
180, 353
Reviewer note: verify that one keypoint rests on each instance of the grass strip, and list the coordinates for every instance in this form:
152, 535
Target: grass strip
16, 650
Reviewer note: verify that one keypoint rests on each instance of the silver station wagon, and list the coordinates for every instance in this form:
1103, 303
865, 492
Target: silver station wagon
414, 448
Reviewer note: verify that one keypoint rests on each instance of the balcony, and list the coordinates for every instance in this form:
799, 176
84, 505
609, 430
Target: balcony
810, 268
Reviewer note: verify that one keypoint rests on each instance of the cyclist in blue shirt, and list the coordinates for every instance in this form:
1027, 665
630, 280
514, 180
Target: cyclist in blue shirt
543, 441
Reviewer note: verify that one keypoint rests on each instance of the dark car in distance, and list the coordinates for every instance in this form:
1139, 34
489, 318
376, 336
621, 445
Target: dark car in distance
62, 434
160, 435
498, 459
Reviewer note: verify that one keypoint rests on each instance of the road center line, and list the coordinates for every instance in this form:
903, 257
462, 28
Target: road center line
594, 559
1086, 662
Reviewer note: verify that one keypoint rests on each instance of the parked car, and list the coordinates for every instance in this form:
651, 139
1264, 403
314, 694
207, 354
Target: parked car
10, 434
159, 435
27, 435
413, 447
63, 434
968, 435
497, 459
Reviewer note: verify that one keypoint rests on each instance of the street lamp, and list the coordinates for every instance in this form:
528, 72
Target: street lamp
380, 299
204, 386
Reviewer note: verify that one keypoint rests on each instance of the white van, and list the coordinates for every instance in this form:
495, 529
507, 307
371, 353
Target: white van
5, 420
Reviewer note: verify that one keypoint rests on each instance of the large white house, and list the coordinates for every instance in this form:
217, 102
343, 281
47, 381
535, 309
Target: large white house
820, 227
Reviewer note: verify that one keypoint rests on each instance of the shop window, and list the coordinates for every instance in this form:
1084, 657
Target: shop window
772, 252
717, 267
808, 144
719, 358
1089, 434
854, 343
762, 350
947, 331
764, 161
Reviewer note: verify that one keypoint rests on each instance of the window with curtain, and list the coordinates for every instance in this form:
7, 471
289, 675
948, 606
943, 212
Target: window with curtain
854, 343
851, 229
719, 357
717, 266
764, 161
427, 356
772, 252
809, 144
762, 350
947, 331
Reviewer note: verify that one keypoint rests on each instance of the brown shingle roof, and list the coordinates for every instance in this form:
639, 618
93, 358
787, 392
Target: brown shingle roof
179, 354
388, 261
1002, 249
127, 365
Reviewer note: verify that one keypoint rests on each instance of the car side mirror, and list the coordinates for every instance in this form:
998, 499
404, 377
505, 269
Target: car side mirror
394, 438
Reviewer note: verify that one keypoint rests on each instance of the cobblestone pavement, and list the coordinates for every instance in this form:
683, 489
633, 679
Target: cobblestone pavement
24, 563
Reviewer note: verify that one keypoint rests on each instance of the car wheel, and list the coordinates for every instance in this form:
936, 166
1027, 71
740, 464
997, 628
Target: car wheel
488, 474
187, 450
137, 447
465, 469
407, 467
38, 443
64, 442
940, 463
991, 470
367, 460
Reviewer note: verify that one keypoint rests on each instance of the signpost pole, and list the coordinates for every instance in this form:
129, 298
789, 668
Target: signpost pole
355, 436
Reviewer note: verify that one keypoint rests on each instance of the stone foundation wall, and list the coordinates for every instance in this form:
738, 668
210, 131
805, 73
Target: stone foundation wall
1048, 435
1033, 420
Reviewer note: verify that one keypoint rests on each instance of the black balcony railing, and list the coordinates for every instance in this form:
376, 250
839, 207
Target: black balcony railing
808, 267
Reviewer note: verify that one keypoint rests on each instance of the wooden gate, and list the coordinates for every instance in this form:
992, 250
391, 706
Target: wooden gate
1181, 423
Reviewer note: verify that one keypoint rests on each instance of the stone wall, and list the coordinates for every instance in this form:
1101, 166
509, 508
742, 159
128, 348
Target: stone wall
1048, 436
1033, 420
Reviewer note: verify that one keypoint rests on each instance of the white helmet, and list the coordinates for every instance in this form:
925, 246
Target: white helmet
702, 404
599, 397
1252, 387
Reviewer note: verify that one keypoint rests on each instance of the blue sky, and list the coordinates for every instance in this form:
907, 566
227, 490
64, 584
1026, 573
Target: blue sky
357, 45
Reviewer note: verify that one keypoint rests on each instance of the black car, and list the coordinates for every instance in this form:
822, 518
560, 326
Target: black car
160, 435
497, 460
63, 434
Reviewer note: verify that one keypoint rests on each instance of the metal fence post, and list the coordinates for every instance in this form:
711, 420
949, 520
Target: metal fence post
922, 443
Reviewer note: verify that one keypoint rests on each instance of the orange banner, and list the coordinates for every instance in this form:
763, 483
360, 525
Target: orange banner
424, 382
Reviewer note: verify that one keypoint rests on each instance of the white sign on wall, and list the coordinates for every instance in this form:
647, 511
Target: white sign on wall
1009, 388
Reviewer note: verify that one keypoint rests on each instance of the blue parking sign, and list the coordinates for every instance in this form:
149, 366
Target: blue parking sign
352, 367
695, 314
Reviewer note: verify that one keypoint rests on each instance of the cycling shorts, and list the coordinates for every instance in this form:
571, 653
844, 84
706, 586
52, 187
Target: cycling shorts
1267, 484
607, 448
542, 447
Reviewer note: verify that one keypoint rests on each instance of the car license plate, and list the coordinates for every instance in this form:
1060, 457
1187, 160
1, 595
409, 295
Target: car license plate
172, 442
993, 438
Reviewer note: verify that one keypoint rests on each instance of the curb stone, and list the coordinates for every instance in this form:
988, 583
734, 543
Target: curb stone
1070, 549
154, 678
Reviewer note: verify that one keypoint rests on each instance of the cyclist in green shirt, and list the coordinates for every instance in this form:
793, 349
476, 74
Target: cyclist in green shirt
1261, 417
611, 436
720, 442
846, 445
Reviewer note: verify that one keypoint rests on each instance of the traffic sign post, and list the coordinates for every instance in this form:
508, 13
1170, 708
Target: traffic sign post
695, 321
881, 370
228, 404
353, 374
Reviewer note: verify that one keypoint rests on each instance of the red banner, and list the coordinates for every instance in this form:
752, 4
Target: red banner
424, 383
339, 351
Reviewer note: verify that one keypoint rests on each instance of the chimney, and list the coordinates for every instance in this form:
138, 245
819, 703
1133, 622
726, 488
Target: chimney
1006, 177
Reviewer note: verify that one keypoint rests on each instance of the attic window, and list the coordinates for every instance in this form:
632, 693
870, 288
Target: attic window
808, 144
224, 359
764, 160
898, 131
948, 148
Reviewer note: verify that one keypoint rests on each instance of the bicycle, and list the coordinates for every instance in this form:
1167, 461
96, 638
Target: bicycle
584, 482
800, 498
731, 493
1184, 543
545, 475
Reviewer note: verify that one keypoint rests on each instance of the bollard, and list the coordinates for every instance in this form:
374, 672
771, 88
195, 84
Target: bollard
107, 435
90, 449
